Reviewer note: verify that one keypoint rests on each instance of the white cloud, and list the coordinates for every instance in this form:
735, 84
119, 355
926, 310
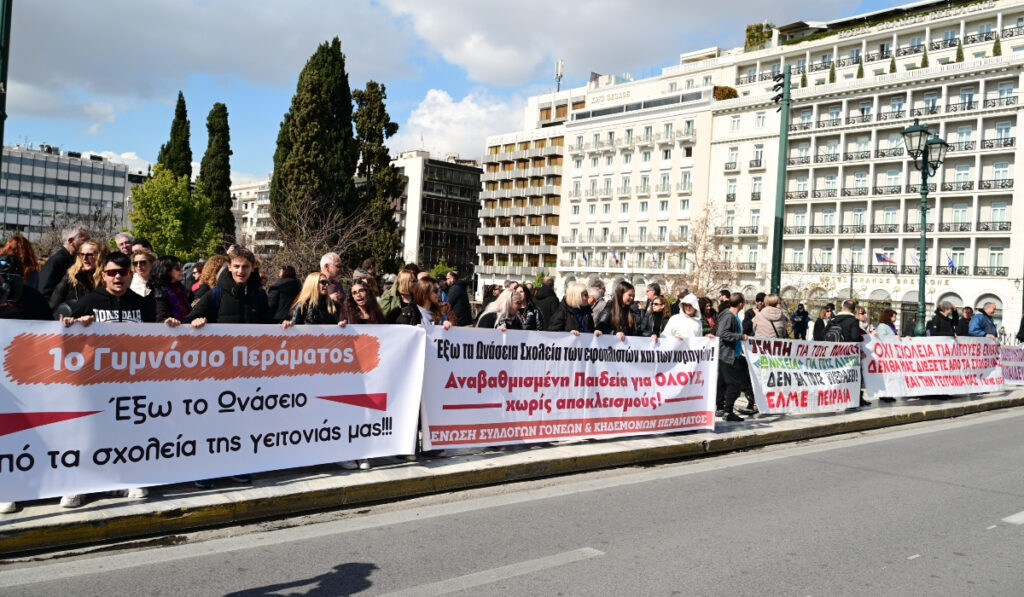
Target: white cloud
510, 43
441, 125
132, 159
33, 100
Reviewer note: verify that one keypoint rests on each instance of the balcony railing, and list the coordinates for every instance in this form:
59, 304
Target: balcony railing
994, 226
964, 185
924, 111
994, 102
859, 119
849, 61
825, 193
844, 268
876, 56
853, 229
643, 191
998, 142
907, 51
998, 183
823, 229
826, 158
755, 164
730, 197
723, 230
820, 267
1013, 31
914, 270
885, 228
749, 229
991, 271
731, 166
792, 267
892, 152
795, 230
684, 187
746, 79
856, 155
746, 266
916, 188
888, 190
961, 146
962, 106
917, 227
799, 160
887, 268
819, 66
940, 44
855, 191
755, 196
955, 227
800, 126
796, 195
891, 115
977, 38
828, 122
953, 270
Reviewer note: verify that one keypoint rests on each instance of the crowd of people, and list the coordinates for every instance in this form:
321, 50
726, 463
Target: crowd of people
123, 280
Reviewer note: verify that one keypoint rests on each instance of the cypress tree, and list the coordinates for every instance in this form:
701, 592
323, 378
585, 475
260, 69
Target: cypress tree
860, 70
959, 51
316, 154
924, 59
383, 183
832, 73
215, 171
803, 79
176, 154
892, 64
997, 47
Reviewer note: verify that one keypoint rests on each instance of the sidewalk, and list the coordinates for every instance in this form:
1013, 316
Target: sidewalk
43, 525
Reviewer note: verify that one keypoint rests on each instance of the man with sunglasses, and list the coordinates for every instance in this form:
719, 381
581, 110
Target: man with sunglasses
114, 301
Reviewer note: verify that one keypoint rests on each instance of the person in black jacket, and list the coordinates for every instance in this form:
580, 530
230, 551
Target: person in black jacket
114, 301
18, 300
314, 305
622, 316
824, 315
167, 291
237, 296
81, 279
732, 366
655, 317
282, 293
942, 323
545, 298
573, 313
458, 298
1020, 332
531, 318
62, 260
963, 325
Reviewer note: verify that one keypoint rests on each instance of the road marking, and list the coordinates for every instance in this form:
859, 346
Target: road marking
992, 527
914, 557
486, 577
1017, 518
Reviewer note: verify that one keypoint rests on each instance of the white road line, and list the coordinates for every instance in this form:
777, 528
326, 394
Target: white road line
914, 557
1017, 518
98, 564
486, 577
992, 527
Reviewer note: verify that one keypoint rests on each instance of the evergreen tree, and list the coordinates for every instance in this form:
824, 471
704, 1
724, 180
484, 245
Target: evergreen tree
215, 171
316, 154
892, 64
383, 183
924, 59
997, 47
803, 79
860, 70
177, 221
832, 73
959, 51
176, 154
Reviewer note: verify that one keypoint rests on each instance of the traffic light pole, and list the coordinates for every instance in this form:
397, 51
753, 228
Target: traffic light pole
780, 182
5, 52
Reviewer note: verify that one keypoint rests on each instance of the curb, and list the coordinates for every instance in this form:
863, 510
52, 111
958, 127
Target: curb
165, 516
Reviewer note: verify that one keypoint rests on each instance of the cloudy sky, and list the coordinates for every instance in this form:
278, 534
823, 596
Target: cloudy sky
102, 76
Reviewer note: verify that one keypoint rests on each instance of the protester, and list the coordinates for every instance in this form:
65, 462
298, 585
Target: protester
545, 299
981, 325
598, 301
910, 327
573, 313
1020, 332
330, 267
732, 366
82, 278
426, 300
963, 324
142, 261
191, 275
769, 321
654, 319
208, 277
313, 305
748, 317
708, 315
458, 298
530, 316
141, 243
846, 328
124, 242
58, 264
400, 295
942, 323
502, 313
824, 315
20, 246
800, 320
724, 297
687, 323
887, 324
170, 298
863, 320
361, 305
622, 316
282, 293
491, 292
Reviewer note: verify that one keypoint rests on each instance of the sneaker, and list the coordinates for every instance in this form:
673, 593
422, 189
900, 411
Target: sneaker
719, 413
364, 465
137, 493
71, 501
205, 484
732, 418
747, 411
887, 399
864, 402
349, 465
7, 507
241, 478
410, 458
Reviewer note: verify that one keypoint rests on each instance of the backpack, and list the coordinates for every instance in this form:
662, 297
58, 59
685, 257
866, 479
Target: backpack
833, 332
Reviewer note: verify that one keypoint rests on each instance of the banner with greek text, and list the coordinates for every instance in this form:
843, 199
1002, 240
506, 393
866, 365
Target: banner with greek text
929, 366
1012, 361
486, 387
112, 406
800, 376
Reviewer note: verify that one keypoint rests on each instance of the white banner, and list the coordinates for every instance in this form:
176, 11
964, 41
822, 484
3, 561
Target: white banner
935, 365
486, 387
124, 405
1012, 360
800, 376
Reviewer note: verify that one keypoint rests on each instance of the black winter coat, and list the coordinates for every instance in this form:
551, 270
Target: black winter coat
652, 322
55, 268
280, 297
604, 321
239, 303
458, 298
940, 325
105, 307
567, 319
317, 315
69, 293
546, 301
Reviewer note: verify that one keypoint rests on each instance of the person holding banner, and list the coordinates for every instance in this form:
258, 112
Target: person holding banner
502, 313
314, 305
82, 278
981, 325
655, 317
169, 295
686, 324
426, 307
622, 316
770, 321
361, 305
732, 367
942, 324
573, 313
887, 324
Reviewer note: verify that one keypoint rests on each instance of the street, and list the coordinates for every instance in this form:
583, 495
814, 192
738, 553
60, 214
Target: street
928, 509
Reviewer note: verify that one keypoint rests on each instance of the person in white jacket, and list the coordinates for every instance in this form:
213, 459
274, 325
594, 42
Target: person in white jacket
686, 323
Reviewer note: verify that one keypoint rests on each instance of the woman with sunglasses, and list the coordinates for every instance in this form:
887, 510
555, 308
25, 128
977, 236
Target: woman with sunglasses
82, 278
530, 317
313, 306
142, 261
654, 319
168, 291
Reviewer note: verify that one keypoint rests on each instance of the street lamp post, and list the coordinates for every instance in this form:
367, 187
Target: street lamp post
928, 152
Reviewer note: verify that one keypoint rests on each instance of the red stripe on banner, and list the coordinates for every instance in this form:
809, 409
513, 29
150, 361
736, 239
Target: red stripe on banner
470, 406
683, 399
374, 401
494, 433
15, 422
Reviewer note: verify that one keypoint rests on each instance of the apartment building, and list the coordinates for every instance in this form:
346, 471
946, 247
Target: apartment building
250, 204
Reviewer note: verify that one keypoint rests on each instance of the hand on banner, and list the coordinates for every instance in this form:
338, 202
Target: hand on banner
574, 332
85, 320
655, 338
342, 323
287, 323
597, 333
710, 336
447, 325
172, 322
198, 322
622, 336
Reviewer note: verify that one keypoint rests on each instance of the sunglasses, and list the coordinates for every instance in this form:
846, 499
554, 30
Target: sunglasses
324, 282
112, 273
140, 263
87, 255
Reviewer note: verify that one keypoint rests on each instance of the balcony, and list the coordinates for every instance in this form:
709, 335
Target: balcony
845, 268
994, 226
792, 267
723, 230
796, 195
686, 135
892, 152
962, 106
624, 191
859, 119
885, 228
941, 44
964, 185
730, 166
818, 66
755, 196
893, 189
991, 271
855, 191
917, 227
909, 50
644, 140
823, 229
916, 188
800, 126
730, 197
925, 110
887, 268
998, 142
825, 193
914, 270
663, 189
828, 122
826, 158
795, 230
961, 146
955, 227
643, 191
820, 267
799, 160
876, 56
576, 148
756, 165
998, 183
995, 102
748, 230
977, 38
746, 266
853, 229
684, 187
856, 155
1013, 32
953, 270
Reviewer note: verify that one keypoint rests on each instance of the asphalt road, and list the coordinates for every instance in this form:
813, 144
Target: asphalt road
930, 509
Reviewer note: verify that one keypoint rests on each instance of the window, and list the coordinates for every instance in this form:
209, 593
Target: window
857, 256
608, 160
666, 130
607, 186
579, 140
627, 159
645, 157
865, 108
641, 233
590, 234
672, 86
758, 152
1001, 170
577, 163
684, 205
623, 208
759, 120
798, 256
663, 206
995, 257
985, 28
642, 207
1003, 129
730, 186
629, 136
623, 232
752, 253
666, 154
958, 255
706, 82
863, 142
966, 95
896, 104
606, 209
916, 42
648, 131
830, 182
828, 217
734, 154
963, 134
892, 178
593, 187
931, 99
662, 232
834, 113
755, 217
592, 209
801, 184
960, 213
684, 181
860, 180
857, 217
800, 218
730, 218
891, 216
963, 173
803, 149
575, 210
734, 124
597, 139
950, 35
689, 83
826, 59
755, 184
826, 256
645, 183
593, 161
855, 55
998, 212
684, 231
626, 183
666, 183
805, 115
1005, 90
576, 188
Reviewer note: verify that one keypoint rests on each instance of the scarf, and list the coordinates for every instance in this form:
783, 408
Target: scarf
180, 307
